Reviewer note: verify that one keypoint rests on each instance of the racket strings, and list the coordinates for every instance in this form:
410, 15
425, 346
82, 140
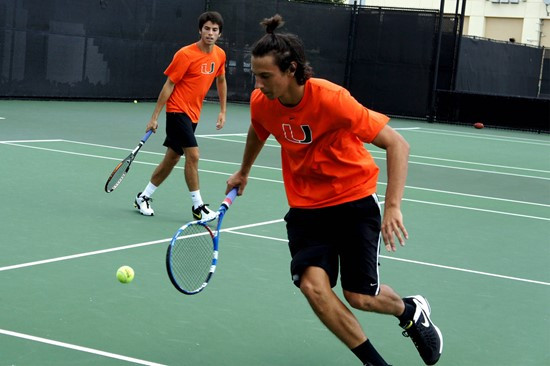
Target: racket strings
191, 257
118, 174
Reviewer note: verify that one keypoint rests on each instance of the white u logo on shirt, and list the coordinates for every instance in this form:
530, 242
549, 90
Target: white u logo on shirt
204, 68
289, 134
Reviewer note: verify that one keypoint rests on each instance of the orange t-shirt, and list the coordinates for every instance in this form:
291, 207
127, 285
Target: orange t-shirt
323, 157
193, 72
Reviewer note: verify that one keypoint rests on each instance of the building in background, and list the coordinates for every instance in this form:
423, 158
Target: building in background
523, 21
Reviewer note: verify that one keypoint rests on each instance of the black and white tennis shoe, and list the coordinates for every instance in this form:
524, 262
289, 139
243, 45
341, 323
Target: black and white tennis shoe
204, 213
425, 335
143, 204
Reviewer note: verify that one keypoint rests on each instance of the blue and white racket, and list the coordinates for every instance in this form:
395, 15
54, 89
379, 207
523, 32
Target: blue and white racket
122, 168
192, 255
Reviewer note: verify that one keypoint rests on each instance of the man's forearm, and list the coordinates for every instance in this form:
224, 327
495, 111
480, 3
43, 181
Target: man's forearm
397, 165
164, 95
221, 85
251, 151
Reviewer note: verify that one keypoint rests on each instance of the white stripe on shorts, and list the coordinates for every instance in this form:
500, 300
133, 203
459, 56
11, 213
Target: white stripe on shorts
378, 249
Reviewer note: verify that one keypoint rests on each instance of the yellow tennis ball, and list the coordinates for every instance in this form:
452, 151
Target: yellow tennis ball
125, 274
135, 101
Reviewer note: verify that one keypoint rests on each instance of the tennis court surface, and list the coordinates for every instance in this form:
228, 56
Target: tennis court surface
477, 208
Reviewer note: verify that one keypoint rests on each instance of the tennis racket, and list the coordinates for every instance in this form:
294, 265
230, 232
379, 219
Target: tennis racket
122, 168
192, 255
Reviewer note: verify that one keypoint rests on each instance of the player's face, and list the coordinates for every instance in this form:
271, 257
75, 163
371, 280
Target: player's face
210, 32
271, 81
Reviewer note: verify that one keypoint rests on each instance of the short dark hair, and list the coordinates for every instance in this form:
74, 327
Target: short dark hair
284, 47
212, 16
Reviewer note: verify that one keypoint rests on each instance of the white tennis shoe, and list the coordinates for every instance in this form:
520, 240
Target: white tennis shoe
203, 213
143, 204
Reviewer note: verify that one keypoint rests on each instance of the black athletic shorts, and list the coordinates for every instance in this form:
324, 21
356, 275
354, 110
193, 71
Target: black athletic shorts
346, 236
180, 132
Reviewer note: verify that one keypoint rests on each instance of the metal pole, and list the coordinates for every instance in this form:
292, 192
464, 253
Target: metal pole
541, 72
351, 46
457, 47
431, 111
455, 50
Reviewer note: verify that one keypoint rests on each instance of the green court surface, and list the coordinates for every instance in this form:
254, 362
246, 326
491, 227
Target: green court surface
477, 208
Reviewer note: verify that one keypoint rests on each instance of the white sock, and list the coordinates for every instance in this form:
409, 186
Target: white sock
149, 190
196, 198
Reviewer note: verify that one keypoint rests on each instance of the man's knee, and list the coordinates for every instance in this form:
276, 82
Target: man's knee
191, 154
314, 283
309, 288
360, 301
171, 158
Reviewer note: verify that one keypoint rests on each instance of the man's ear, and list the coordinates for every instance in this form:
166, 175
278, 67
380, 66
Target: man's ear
292, 67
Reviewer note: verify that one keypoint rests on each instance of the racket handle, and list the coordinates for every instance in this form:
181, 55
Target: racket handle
146, 136
230, 197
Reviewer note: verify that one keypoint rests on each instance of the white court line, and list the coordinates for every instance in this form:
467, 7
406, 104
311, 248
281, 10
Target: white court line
14, 142
229, 230
468, 162
224, 135
162, 154
216, 137
2, 118
279, 181
78, 348
477, 209
476, 170
109, 250
472, 135
477, 134
468, 271
129, 359
431, 203
80, 255
480, 164
407, 187
70, 152
91, 350
427, 130
436, 165
234, 230
474, 196
418, 262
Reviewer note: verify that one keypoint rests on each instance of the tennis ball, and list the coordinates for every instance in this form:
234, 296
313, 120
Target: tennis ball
125, 274
135, 101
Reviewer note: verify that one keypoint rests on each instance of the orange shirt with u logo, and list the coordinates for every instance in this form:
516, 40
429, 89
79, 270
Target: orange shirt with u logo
193, 72
323, 157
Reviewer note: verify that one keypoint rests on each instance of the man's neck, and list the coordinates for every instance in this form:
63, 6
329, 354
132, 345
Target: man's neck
205, 47
293, 97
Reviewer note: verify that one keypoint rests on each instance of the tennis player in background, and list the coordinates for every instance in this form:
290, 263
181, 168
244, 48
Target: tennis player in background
334, 222
189, 77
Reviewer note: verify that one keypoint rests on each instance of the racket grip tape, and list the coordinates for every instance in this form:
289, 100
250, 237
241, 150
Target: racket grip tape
230, 197
147, 135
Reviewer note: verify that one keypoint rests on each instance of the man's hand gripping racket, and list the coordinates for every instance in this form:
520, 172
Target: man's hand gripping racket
192, 255
122, 168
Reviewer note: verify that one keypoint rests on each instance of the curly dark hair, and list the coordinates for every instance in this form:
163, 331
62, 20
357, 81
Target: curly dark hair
212, 16
284, 47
